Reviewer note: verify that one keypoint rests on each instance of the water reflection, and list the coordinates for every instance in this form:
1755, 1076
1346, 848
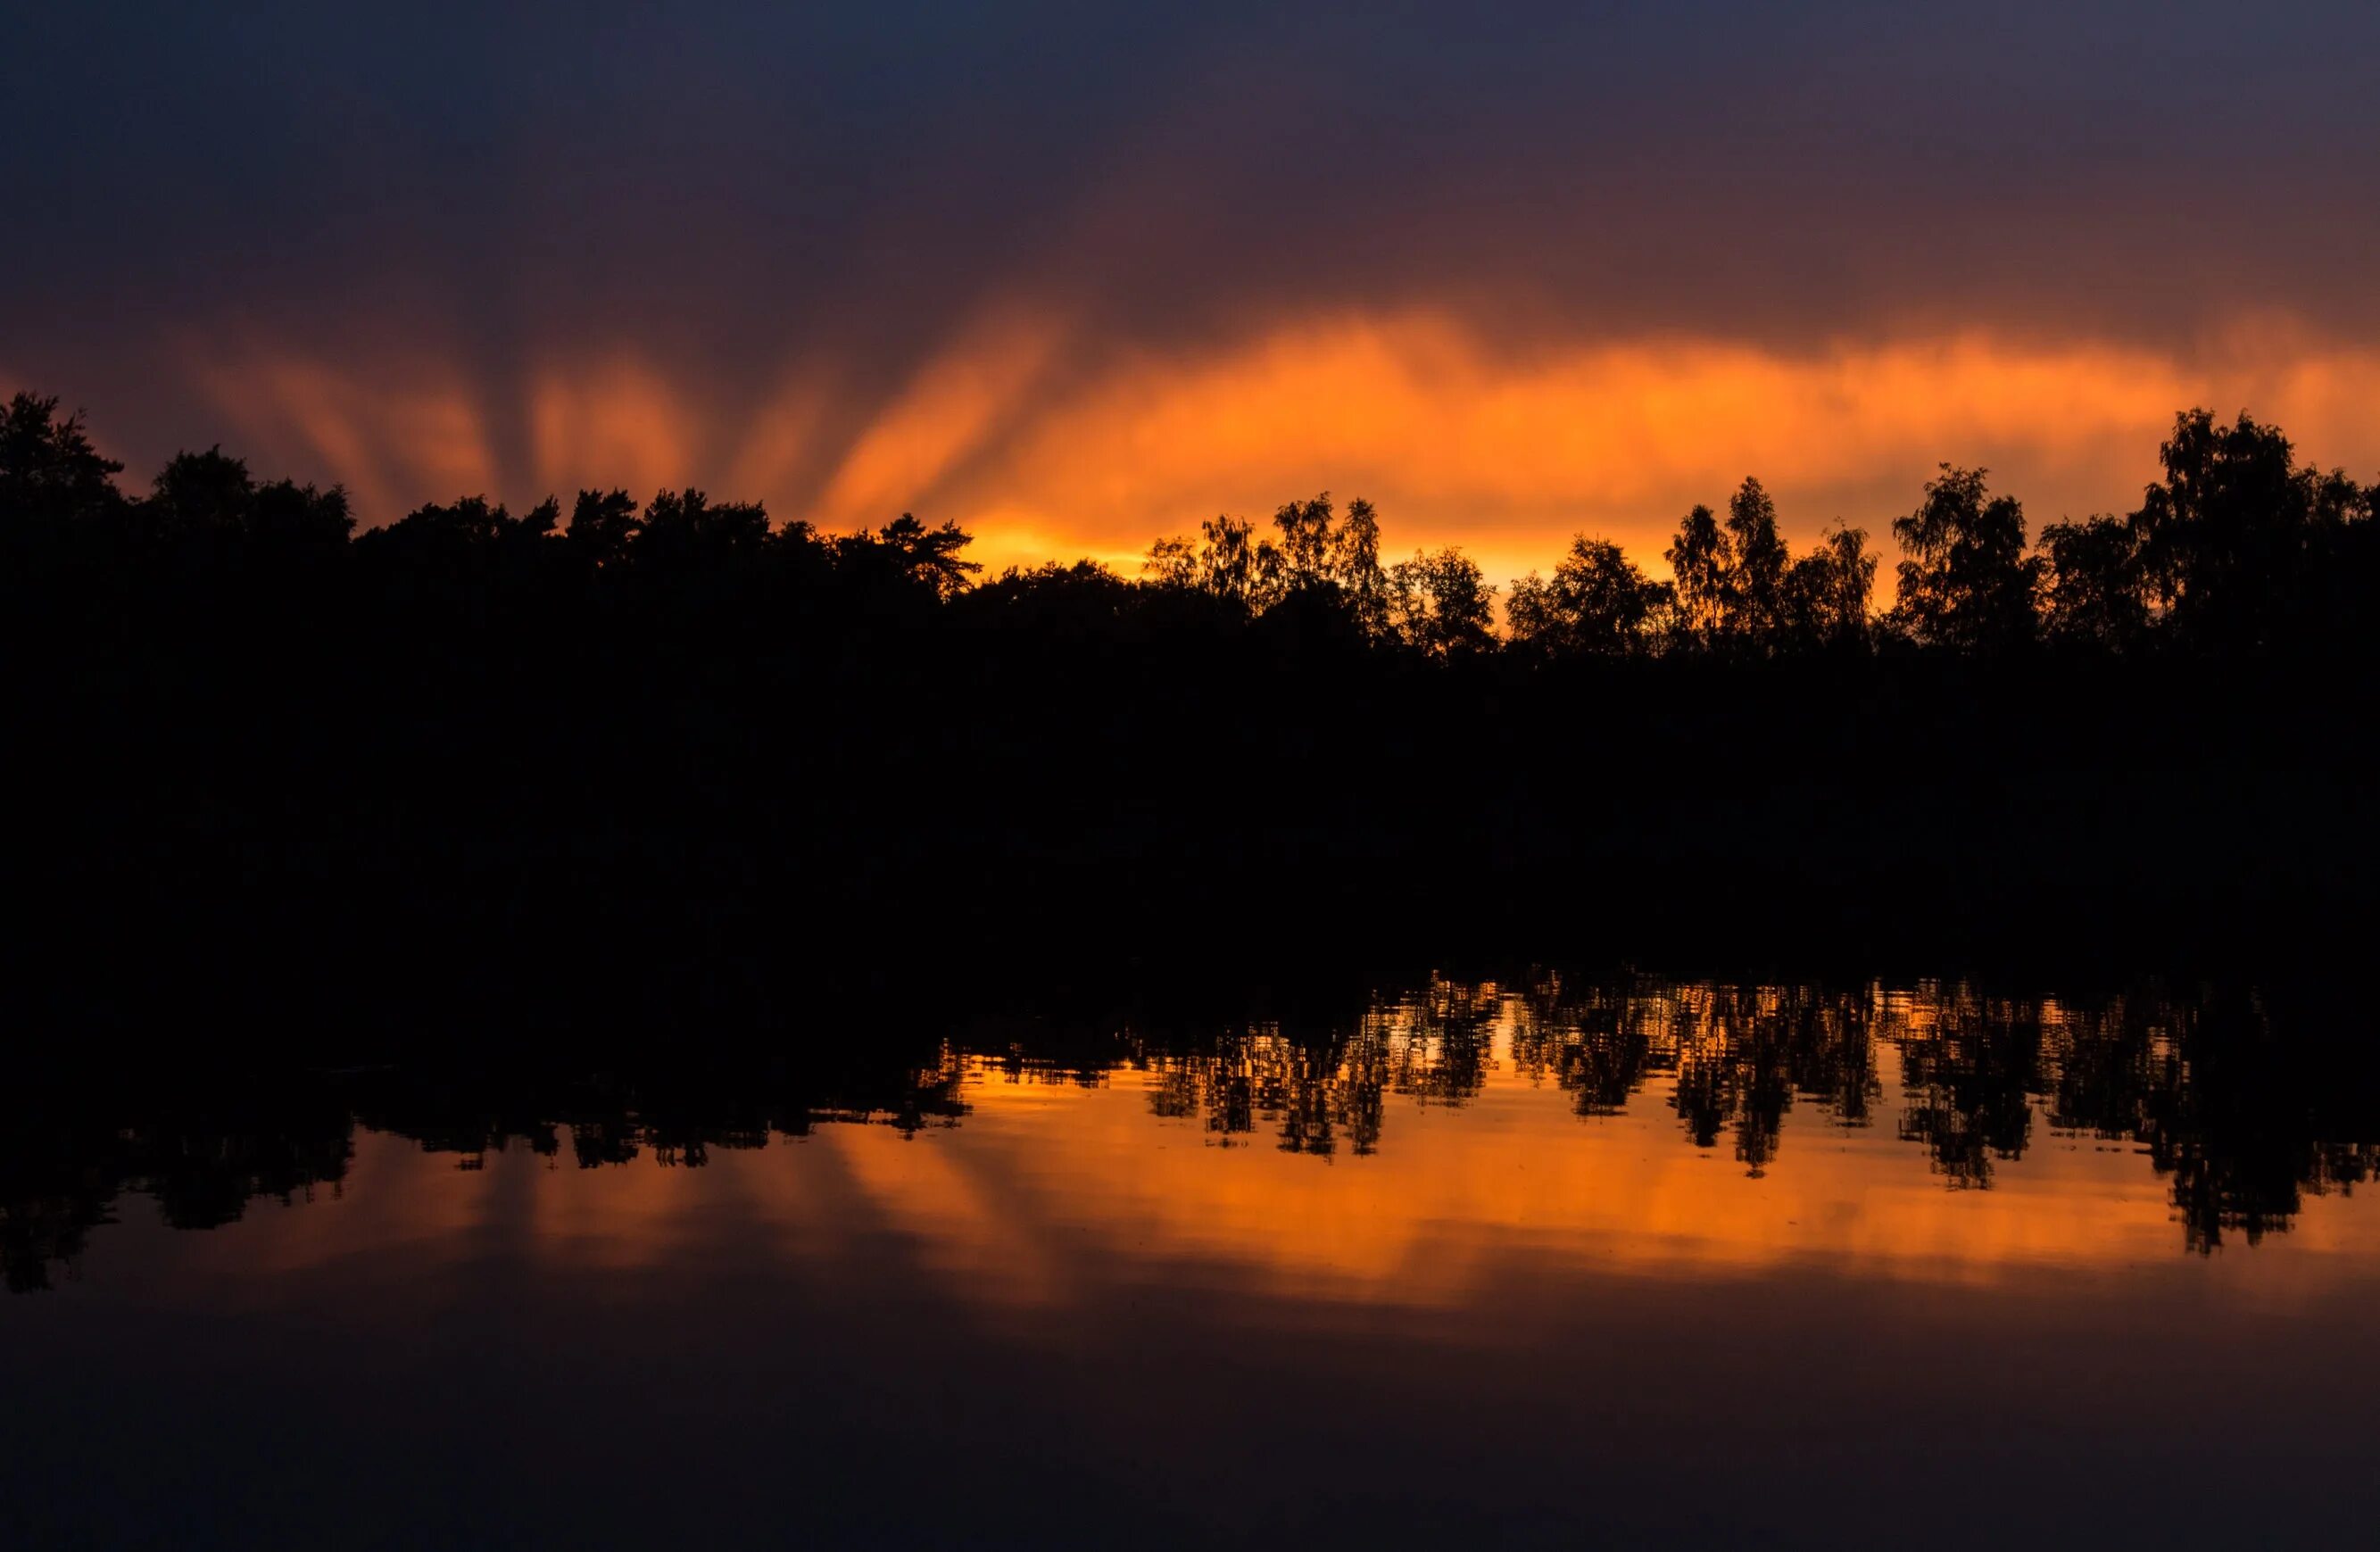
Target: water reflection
2205, 1091
2241, 1121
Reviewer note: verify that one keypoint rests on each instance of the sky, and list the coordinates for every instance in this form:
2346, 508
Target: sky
1076, 276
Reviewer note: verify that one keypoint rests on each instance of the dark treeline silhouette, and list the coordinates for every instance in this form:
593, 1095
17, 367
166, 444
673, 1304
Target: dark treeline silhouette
2243, 1106
668, 762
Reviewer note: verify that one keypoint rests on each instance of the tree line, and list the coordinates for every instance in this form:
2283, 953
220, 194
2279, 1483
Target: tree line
670, 762
2238, 548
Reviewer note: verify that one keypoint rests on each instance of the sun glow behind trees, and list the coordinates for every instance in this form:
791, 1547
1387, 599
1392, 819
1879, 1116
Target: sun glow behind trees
1047, 445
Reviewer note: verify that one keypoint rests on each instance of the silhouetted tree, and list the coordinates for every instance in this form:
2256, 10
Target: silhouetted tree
1170, 562
603, 525
1755, 584
1355, 567
1307, 542
2094, 591
206, 503
682, 530
469, 530
201, 494
1441, 604
1968, 584
461, 565
1234, 564
1598, 604
1701, 559
1325, 570
1082, 600
931, 558
1826, 592
2229, 538
50, 473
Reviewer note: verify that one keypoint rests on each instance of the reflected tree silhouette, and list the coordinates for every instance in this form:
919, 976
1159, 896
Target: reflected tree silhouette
1969, 1068
1314, 1089
1592, 1042
1973, 1072
2242, 1119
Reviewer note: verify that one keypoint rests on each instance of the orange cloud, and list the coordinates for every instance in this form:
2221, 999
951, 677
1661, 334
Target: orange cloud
947, 414
1508, 456
393, 436
1506, 451
617, 425
785, 441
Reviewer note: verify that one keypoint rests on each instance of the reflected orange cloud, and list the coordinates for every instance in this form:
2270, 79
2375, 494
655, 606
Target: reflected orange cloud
1046, 448
1050, 1192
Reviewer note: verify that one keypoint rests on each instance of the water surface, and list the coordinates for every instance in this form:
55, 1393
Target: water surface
1620, 1263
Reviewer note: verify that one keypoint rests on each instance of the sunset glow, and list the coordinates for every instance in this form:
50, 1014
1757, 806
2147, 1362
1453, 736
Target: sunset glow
1046, 448
1267, 772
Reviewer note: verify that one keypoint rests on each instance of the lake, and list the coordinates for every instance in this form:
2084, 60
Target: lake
1560, 1261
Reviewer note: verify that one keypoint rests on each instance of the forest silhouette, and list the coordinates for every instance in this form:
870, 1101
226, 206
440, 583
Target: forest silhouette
670, 762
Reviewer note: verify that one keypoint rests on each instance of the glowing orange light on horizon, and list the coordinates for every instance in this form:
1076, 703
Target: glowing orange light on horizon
1454, 442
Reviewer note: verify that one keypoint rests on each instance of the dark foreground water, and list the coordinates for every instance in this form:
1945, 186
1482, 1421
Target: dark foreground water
1633, 1264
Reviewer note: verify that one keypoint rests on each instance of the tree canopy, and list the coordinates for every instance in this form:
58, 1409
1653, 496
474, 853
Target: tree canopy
2237, 549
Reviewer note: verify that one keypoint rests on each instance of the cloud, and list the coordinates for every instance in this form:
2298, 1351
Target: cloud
1047, 450
615, 424
1508, 455
943, 418
393, 435
1575, 267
